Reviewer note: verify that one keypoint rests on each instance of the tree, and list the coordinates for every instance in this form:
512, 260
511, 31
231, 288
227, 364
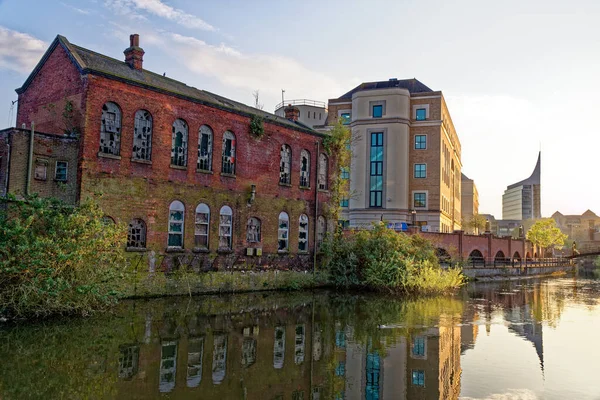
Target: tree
545, 234
477, 222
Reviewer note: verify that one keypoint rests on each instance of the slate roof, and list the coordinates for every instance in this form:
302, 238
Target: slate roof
412, 85
90, 62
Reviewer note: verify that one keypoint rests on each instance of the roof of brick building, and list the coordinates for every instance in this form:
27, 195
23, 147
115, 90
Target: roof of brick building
412, 85
88, 61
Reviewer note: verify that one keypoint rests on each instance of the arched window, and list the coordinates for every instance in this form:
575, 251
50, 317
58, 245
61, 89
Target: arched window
228, 163
176, 214
205, 140
142, 136
285, 162
225, 228
108, 220
321, 229
202, 222
179, 143
283, 232
279, 347
303, 233
322, 178
219, 364
304, 168
110, 130
136, 235
253, 230
195, 355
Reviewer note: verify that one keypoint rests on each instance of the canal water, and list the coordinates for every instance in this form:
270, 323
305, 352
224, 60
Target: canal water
511, 340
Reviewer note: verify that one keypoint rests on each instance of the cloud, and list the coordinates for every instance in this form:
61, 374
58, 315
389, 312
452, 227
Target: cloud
512, 394
77, 10
160, 9
268, 73
19, 51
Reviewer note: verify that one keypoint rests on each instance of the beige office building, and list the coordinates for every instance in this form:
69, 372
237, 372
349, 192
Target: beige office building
469, 200
406, 156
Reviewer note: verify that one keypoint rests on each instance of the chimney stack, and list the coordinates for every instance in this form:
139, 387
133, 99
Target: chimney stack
292, 113
134, 55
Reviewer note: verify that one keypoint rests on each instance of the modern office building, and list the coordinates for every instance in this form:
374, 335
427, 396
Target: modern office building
522, 200
469, 199
311, 113
406, 156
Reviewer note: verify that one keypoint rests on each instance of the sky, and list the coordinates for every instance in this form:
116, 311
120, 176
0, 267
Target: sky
517, 76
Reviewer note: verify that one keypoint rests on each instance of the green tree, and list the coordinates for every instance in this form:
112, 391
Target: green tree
477, 222
545, 234
58, 259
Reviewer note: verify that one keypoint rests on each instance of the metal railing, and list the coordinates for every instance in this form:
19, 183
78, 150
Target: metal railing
480, 262
301, 102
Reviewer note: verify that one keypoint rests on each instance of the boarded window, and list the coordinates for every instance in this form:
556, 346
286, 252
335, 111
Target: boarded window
283, 232
303, 233
179, 143
110, 129
285, 176
176, 213
323, 164
253, 230
304, 168
201, 226
219, 364
136, 235
225, 228
41, 170
205, 139
128, 361
228, 159
142, 136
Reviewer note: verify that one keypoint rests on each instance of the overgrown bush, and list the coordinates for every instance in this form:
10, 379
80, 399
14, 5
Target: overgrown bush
57, 259
383, 259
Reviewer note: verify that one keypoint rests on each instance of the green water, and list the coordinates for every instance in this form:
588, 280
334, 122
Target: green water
515, 340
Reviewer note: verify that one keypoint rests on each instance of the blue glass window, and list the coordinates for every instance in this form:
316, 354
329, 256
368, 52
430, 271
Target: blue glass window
377, 111
344, 202
418, 377
420, 170
373, 375
420, 200
418, 348
345, 118
345, 173
340, 370
420, 142
421, 114
376, 170
340, 339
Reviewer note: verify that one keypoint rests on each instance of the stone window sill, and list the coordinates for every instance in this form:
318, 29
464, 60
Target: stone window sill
60, 180
111, 156
303, 252
225, 251
285, 184
228, 175
323, 190
204, 171
304, 187
141, 161
181, 167
175, 250
136, 249
200, 250
283, 251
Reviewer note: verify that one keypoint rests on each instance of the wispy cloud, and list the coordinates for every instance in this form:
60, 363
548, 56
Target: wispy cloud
511, 394
19, 51
77, 10
160, 9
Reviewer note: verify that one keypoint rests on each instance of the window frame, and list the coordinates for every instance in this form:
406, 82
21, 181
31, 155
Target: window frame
202, 209
283, 232
143, 235
113, 128
142, 120
285, 165
424, 194
322, 176
228, 162
419, 143
205, 161
376, 166
303, 227
56, 169
226, 211
420, 170
171, 232
418, 112
180, 160
379, 108
258, 226
305, 174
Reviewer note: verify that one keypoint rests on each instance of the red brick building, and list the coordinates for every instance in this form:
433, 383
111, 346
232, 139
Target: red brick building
181, 166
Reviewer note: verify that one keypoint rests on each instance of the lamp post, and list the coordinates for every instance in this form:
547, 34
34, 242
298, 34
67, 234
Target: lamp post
520, 231
414, 217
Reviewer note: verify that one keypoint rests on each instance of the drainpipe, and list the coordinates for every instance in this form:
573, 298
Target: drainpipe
316, 209
30, 160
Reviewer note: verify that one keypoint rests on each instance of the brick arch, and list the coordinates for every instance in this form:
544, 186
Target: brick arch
516, 256
476, 257
443, 256
500, 258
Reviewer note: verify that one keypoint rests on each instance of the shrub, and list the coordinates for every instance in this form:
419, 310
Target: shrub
57, 259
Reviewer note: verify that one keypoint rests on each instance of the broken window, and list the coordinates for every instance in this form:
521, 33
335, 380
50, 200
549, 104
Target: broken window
253, 230
285, 176
248, 351
176, 213
136, 236
128, 361
142, 135
225, 227
60, 174
202, 224
303, 233
304, 168
205, 148
179, 143
322, 172
194, 363
168, 366
283, 232
321, 229
110, 129
228, 164
299, 344
41, 168
279, 347
219, 363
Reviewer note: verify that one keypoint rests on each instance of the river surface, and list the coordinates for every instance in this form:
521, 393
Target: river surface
535, 339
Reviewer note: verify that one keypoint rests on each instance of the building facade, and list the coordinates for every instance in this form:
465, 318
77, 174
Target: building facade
583, 229
406, 156
311, 113
522, 200
181, 167
469, 200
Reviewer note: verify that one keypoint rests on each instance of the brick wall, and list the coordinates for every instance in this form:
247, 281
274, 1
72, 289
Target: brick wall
4, 158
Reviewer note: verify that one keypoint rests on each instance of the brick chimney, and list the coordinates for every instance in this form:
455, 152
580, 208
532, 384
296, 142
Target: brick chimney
292, 113
134, 55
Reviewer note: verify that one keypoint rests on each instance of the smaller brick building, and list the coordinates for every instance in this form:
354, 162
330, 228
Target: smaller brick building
184, 168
